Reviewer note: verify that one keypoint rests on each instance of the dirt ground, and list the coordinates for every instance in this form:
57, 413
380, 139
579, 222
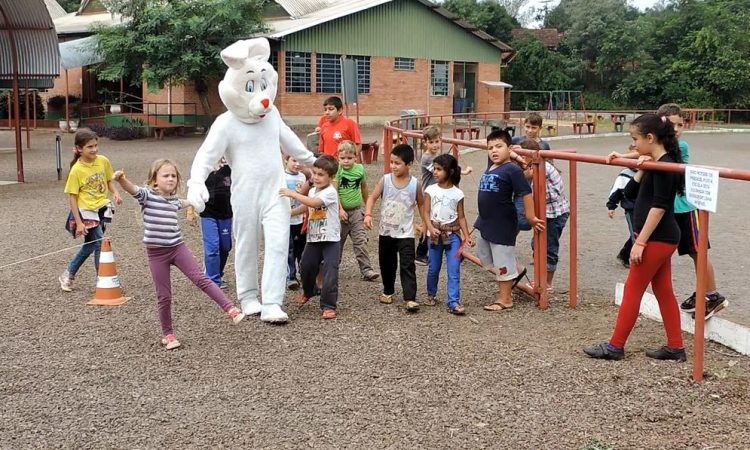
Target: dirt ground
74, 376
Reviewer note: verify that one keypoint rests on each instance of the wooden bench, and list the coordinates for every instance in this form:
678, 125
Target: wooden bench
460, 129
550, 129
578, 127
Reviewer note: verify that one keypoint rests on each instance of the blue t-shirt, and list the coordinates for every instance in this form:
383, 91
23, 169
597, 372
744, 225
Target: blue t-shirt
497, 221
681, 205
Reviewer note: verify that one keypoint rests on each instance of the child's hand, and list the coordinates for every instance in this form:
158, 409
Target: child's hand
642, 159
636, 254
192, 219
118, 175
434, 231
286, 192
611, 213
612, 156
81, 229
117, 198
343, 216
368, 221
469, 241
418, 229
537, 223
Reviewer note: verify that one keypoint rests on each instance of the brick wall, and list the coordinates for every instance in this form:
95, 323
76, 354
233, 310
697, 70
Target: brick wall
489, 99
74, 84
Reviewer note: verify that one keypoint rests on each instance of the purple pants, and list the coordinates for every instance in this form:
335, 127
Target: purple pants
160, 260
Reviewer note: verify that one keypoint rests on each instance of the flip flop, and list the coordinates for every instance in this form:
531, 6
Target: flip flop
496, 307
518, 279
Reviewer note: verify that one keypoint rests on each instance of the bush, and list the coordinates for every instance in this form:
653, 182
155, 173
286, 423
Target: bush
127, 132
22, 106
58, 101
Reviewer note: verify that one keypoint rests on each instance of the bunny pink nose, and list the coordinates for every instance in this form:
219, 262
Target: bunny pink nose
264, 102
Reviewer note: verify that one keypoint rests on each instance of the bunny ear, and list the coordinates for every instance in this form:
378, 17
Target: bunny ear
235, 55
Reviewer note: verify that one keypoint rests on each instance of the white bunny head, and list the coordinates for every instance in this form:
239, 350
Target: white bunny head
249, 86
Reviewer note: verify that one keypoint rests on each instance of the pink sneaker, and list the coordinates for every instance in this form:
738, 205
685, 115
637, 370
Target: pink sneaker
235, 315
170, 342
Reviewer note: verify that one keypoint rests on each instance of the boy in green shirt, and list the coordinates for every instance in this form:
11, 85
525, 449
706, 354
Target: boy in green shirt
352, 188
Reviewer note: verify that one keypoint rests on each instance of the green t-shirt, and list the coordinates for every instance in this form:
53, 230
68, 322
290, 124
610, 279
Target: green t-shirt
350, 185
681, 205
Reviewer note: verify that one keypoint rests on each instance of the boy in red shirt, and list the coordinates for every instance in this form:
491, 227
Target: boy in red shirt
335, 127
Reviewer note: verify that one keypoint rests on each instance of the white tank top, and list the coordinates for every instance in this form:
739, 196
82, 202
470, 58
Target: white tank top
397, 209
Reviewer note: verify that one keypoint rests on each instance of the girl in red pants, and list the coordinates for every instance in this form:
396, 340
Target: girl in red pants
657, 236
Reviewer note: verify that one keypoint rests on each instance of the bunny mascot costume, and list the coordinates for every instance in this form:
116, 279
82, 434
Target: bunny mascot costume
250, 135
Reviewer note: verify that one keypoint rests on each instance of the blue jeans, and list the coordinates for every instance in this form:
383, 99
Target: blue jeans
297, 242
217, 243
92, 243
555, 227
453, 261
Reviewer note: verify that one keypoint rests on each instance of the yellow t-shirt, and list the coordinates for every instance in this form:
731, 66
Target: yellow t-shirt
89, 182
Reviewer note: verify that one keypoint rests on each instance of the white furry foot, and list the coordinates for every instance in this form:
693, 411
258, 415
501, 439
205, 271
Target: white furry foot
251, 307
273, 314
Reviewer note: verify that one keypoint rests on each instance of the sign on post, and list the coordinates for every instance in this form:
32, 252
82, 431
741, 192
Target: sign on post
702, 187
349, 79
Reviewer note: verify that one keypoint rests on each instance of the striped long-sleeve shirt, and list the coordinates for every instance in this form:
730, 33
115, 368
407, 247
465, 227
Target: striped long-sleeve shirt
160, 225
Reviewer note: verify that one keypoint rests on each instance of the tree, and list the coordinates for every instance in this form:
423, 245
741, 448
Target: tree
487, 15
175, 42
70, 5
535, 67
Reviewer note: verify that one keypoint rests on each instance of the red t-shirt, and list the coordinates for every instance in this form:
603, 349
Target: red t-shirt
332, 133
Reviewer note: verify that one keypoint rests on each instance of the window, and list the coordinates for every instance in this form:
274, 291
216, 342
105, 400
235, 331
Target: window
297, 72
328, 75
363, 74
274, 60
439, 78
404, 64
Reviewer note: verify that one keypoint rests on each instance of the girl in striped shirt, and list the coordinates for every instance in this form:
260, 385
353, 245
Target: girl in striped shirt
165, 246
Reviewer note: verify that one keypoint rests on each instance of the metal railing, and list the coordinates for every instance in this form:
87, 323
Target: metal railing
538, 158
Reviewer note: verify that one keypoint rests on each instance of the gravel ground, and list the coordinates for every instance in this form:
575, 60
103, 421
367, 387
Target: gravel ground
74, 376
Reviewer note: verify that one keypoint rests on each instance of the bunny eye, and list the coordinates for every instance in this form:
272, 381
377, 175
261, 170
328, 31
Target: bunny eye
250, 86
263, 84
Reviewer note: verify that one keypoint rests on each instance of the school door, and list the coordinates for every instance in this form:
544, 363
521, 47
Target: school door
464, 87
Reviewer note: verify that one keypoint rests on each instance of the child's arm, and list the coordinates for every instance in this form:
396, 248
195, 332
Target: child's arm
464, 226
73, 204
312, 202
299, 210
528, 206
190, 215
428, 213
374, 195
129, 187
421, 209
363, 187
114, 191
467, 170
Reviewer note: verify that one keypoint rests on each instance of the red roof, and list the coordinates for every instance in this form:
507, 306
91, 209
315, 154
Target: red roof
550, 37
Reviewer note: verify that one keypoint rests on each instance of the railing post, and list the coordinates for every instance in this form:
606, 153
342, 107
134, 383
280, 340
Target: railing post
387, 147
573, 230
540, 238
700, 294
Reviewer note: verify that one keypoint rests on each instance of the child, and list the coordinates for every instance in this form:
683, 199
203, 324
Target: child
402, 196
444, 205
165, 246
296, 181
617, 197
557, 212
334, 128
687, 219
432, 143
657, 235
532, 129
352, 190
323, 236
497, 221
216, 223
88, 187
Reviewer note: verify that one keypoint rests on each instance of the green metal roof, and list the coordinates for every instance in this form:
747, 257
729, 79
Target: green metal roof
404, 28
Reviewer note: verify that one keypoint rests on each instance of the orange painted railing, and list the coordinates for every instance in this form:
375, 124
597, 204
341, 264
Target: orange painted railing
390, 130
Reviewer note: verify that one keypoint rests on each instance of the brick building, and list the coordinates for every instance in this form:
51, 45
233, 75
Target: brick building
409, 54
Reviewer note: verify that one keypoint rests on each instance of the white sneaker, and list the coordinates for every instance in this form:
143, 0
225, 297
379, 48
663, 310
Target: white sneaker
66, 281
272, 313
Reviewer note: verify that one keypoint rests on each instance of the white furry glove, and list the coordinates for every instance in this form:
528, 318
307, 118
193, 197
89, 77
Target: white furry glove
197, 194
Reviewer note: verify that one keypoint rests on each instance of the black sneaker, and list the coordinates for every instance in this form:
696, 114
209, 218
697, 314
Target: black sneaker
420, 260
602, 351
689, 304
714, 303
667, 354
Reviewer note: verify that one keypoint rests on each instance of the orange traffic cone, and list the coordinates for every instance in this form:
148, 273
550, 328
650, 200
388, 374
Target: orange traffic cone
108, 291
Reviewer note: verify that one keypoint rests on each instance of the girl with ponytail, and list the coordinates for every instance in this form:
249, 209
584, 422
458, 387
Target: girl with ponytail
657, 236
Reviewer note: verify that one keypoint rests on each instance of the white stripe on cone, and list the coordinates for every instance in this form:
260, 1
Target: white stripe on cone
108, 282
106, 257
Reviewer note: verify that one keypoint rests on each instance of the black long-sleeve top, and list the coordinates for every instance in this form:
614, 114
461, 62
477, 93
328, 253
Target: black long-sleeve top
656, 190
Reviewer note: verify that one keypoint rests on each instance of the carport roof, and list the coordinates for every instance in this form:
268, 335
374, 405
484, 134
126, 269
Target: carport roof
35, 38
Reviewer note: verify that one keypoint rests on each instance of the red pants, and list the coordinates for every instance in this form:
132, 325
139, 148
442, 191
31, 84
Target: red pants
656, 268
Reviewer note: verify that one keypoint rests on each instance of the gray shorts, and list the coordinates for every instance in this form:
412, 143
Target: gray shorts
499, 257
